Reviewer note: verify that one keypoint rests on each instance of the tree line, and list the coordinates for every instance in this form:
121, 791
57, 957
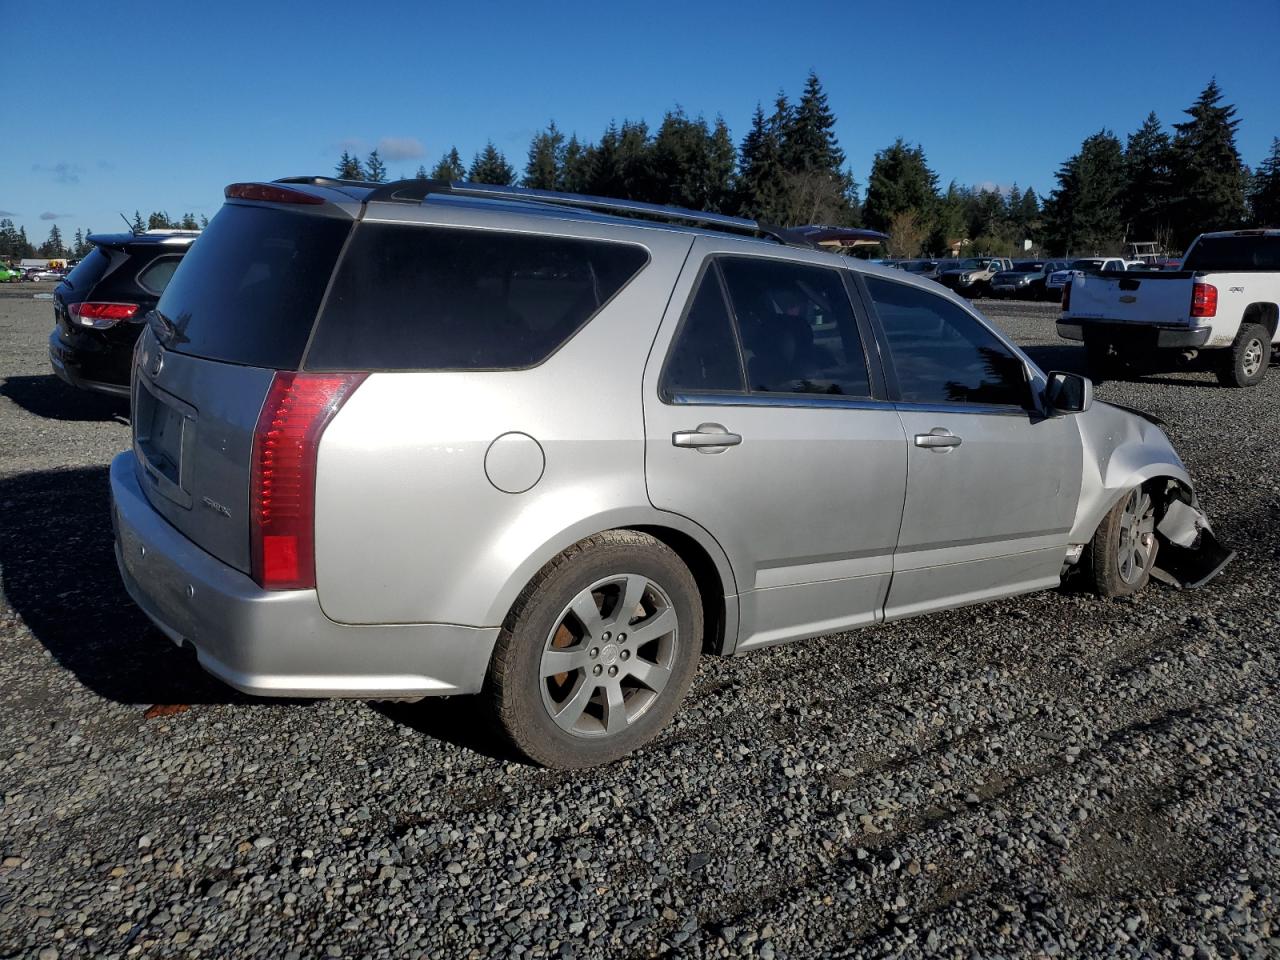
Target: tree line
14, 244
789, 169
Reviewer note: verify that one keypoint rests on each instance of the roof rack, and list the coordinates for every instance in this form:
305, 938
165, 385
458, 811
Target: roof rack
417, 190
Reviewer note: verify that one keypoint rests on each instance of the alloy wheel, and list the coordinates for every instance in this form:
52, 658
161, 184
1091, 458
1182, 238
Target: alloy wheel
1137, 536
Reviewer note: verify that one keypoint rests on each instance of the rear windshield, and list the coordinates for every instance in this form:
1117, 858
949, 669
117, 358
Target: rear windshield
88, 271
250, 286
1028, 266
428, 298
1234, 254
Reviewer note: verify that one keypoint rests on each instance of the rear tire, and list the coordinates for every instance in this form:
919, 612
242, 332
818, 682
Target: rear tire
1101, 358
598, 651
1123, 549
1245, 363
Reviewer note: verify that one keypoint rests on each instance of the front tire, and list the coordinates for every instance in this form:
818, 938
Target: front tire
1245, 364
598, 651
1123, 549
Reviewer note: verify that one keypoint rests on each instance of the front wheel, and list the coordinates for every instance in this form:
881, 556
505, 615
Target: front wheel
598, 651
1123, 550
1245, 364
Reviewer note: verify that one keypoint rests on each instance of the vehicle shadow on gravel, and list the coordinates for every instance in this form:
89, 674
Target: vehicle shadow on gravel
465, 722
50, 398
58, 573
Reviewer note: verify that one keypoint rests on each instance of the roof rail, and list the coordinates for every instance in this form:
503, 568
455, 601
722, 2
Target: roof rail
417, 190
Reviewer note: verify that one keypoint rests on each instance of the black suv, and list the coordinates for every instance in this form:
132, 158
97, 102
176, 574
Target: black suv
99, 308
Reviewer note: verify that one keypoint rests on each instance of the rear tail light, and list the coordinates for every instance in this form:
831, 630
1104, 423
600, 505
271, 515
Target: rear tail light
1204, 300
1066, 295
283, 485
269, 193
99, 316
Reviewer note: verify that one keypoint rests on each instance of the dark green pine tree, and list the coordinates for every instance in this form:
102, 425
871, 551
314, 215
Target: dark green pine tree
421, 174
762, 182
575, 167
374, 169
83, 249
1208, 178
189, 222
28, 249
1264, 195
900, 182
450, 167
349, 167
1148, 182
159, 220
138, 226
204, 221
605, 178
682, 163
490, 166
819, 188
721, 163
1084, 212
52, 248
546, 154
78, 243
11, 245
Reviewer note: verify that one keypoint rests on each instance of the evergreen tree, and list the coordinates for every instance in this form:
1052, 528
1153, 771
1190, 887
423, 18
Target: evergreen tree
450, 167
53, 248
490, 166
1147, 181
25, 245
1084, 212
1264, 196
1208, 178
138, 226
13, 242
374, 169
948, 221
204, 221
575, 167
809, 141
83, 247
900, 182
349, 167
761, 179
421, 174
189, 222
546, 154
159, 220
78, 243
692, 166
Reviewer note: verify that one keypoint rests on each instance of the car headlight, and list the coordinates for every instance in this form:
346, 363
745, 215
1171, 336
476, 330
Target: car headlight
965, 278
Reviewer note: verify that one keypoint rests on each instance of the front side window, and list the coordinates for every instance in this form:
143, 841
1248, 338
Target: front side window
797, 328
942, 354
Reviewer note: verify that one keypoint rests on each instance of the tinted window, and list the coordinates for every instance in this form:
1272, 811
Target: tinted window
156, 275
425, 298
705, 355
88, 271
1235, 254
250, 286
1028, 266
797, 328
941, 353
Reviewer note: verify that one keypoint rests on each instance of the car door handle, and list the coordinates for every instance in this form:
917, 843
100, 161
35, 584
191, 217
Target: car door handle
707, 438
939, 438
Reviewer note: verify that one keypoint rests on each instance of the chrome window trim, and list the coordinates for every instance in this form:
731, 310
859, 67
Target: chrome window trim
797, 400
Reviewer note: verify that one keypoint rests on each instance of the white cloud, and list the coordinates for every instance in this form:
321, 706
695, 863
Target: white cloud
400, 148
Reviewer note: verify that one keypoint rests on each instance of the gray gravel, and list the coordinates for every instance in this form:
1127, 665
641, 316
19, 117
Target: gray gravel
1047, 776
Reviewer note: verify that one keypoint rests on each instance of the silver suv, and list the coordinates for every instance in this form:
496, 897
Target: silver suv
394, 441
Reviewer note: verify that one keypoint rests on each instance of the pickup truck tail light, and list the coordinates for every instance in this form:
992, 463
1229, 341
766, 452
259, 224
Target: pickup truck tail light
1204, 300
282, 488
1066, 295
98, 315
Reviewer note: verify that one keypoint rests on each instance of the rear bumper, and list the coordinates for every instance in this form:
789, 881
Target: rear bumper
278, 643
1144, 335
86, 372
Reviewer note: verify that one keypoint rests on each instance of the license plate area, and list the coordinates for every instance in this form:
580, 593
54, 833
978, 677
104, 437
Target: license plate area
164, 430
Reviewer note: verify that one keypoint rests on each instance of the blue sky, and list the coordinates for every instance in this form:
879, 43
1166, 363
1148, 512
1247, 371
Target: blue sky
147, 106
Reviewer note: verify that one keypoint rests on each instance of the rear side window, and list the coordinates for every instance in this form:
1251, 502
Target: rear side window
797, 327
250, 286
941, 354
156, 275
427, 298
705, 356
1235, 254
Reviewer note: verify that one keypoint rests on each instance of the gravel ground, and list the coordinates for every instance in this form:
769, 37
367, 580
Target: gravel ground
1047, 776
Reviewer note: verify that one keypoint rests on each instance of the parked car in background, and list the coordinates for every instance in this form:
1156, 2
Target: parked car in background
1026, 280
1058, 279
924, 269
98, 310
362, 465
47, 274
10, 274
971, 276
1225, 300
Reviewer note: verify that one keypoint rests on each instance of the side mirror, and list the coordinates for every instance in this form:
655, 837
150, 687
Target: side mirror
1068, 392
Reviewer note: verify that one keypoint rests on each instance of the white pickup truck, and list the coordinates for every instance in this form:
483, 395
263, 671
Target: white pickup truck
1225, 299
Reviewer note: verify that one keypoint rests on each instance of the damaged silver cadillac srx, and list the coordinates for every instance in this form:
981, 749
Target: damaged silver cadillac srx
413, 439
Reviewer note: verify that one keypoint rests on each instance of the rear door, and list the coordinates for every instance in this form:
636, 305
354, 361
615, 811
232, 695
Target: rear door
766, 422
239, 307
991, 486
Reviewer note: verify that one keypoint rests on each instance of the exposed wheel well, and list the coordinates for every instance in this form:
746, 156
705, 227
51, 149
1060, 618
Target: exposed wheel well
710, 587
1267, 314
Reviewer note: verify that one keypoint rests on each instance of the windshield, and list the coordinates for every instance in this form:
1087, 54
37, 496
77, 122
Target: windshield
1093, 264
1028, 266
1237, 254
965, 265
918, 266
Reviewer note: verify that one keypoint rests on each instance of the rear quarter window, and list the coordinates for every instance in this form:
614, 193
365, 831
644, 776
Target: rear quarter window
409, 297
155, 276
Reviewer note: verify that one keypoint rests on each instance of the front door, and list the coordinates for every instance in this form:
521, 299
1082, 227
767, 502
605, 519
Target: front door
766, 424
992, 486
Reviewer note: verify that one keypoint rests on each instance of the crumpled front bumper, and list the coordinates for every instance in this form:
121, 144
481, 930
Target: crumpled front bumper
1190, 554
